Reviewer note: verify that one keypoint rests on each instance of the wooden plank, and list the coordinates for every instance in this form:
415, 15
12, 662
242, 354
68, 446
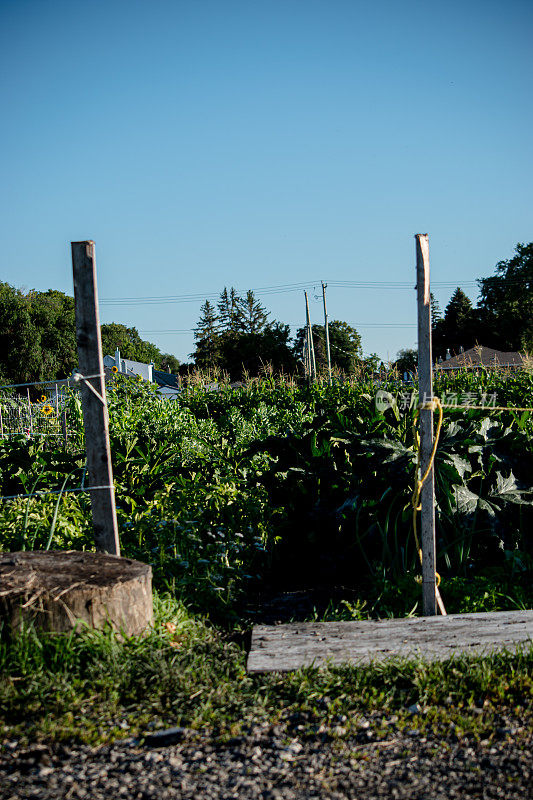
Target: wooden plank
95, 415
288, 647
425, 393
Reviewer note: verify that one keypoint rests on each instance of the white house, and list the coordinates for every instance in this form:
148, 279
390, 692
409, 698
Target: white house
131, 368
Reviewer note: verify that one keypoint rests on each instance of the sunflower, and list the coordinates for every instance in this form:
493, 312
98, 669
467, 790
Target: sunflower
114, 369
43, 398
47, 410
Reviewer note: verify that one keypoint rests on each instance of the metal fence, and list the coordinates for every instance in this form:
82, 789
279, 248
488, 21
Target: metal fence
46, 420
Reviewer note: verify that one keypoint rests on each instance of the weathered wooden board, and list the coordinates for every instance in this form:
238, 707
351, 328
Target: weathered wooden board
287, 647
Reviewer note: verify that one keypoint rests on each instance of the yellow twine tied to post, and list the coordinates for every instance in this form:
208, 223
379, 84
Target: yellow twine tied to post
431, 405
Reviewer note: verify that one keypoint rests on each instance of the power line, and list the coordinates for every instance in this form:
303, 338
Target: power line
265, 291
299, 325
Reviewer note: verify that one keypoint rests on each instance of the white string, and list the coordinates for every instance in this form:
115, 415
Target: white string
76, 378
45, 494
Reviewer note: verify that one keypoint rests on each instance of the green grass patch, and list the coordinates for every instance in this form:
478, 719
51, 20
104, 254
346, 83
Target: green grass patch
95, 688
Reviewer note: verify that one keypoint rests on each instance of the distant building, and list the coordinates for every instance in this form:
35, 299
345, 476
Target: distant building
482, 358
127, 367
168, 384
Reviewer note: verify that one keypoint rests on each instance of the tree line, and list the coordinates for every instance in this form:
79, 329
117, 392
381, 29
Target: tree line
38, 337
235, 335
502, 319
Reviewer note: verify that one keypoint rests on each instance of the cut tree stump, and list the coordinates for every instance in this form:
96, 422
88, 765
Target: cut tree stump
61, 590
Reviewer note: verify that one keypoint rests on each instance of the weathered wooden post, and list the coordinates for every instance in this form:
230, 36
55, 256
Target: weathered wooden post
425, 394
64, 426
93, 396
30, 416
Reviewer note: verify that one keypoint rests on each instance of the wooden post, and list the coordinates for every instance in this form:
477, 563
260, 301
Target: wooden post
64, 426
94, 404
310, 335
326, 326
425, 394
30, 423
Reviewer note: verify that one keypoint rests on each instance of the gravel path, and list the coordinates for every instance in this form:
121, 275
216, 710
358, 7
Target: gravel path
267, 764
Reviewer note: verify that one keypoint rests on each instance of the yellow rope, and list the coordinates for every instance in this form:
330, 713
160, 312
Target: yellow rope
483, 408
419, 483
431, 405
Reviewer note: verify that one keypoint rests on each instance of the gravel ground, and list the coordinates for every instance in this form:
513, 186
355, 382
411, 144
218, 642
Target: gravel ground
270, 764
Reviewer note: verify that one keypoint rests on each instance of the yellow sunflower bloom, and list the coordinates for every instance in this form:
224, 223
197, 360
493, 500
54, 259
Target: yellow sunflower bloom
47, 410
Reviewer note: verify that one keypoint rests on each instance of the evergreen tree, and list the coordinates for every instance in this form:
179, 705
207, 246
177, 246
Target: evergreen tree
436, 315
458, 328
206, 335
229, 311
253, 316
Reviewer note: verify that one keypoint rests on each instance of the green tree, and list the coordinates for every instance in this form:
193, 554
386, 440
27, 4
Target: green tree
344, 343
250, 353
130, 344
506, 302
253, 316
37, 335
436, 315
406, 361
169, 363
458, 328
229, 311
207, 338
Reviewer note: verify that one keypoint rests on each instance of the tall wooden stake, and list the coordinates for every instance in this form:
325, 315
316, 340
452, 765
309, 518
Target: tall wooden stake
425, 394
326, 326
30, 413
95, 415
310, 339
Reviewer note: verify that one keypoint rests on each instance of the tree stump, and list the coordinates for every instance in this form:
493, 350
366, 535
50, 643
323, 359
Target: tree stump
61, 590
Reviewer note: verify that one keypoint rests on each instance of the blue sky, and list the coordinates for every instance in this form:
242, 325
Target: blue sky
206, 143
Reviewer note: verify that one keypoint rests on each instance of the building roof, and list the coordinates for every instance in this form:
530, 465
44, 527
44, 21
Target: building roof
166, 379
482, 357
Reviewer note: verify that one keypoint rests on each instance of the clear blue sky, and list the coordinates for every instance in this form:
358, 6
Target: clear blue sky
204, 143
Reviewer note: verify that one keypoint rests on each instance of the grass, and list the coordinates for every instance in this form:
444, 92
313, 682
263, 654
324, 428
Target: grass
93, 687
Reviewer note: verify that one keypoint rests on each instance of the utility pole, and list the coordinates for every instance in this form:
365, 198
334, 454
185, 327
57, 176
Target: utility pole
310, 335
326, 326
